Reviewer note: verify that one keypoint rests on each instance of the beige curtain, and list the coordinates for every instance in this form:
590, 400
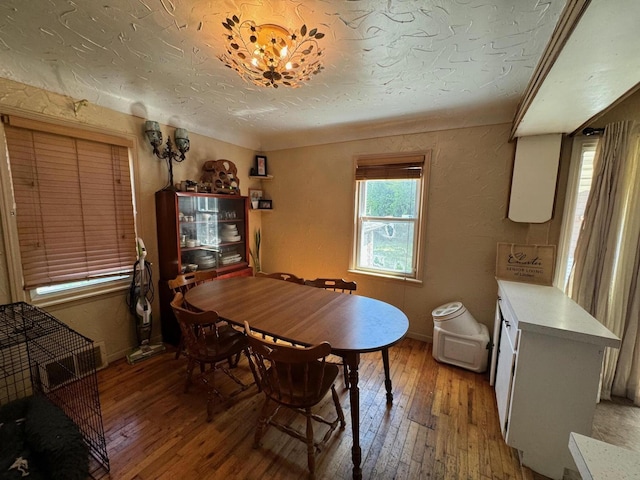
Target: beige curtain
607, 257
626, 381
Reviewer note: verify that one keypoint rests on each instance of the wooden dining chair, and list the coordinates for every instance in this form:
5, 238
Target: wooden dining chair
182, 284
336, 285
205, 344
288, 277
296, 378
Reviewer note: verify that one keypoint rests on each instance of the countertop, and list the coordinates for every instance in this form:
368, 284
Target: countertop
598, 460
548, 311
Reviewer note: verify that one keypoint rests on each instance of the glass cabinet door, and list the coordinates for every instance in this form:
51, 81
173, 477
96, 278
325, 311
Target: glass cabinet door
211, 232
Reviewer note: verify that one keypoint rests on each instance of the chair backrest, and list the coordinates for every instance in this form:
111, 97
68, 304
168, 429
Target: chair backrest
335, 284
185, 281
288, 277
199, 329
293, 376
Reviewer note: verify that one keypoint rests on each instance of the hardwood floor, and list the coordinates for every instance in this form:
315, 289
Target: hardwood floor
442, 425
617, 421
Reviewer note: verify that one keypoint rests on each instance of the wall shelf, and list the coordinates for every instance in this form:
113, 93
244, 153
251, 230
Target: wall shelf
260, 177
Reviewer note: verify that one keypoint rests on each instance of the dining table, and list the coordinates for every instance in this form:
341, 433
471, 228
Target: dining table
305, 315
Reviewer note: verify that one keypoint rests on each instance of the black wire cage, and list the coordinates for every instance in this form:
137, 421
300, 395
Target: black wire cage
39, 355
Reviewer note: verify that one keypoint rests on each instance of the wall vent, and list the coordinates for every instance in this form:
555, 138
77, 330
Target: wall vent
73, 367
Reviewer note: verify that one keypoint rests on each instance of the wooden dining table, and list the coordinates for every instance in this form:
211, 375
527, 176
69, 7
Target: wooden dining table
305, 315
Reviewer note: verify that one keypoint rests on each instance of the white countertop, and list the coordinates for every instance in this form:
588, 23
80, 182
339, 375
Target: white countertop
548, 311
598, 460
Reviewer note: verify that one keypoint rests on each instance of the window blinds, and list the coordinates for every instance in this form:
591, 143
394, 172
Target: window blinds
386, 167
74, 206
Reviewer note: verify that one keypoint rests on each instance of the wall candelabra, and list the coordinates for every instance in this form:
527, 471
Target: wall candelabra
152, 129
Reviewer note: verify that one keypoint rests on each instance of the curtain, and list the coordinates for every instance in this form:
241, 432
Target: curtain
626, 381
605, 280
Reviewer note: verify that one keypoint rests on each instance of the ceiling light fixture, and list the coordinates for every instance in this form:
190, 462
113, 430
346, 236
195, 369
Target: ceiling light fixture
269, 55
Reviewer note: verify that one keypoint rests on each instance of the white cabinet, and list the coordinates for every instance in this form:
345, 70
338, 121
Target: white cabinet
547, 373
533, 186
504, 374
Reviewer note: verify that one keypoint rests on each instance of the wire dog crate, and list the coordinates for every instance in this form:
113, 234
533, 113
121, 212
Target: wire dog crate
41, 355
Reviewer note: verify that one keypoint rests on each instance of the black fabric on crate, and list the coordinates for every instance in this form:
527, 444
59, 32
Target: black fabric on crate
43, 435
16, 459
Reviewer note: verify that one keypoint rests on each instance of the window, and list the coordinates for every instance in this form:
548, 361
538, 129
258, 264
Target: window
578, 188
389, 215
73, 205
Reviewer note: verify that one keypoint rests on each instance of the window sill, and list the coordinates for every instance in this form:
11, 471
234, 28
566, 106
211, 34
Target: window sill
78, 294
413, 281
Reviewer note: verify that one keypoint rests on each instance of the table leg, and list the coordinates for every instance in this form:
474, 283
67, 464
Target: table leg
387, 375
354, 397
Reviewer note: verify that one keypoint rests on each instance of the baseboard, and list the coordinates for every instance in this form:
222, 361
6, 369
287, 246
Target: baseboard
119, 354
420, 336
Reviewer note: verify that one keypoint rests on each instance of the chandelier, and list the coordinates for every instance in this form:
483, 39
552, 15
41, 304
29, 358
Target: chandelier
269, 55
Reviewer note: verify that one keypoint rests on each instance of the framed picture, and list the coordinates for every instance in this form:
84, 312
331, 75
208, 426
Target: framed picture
261, 166
264, 204
255, 194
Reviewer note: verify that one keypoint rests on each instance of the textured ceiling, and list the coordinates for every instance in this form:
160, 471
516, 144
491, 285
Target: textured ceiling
393, 66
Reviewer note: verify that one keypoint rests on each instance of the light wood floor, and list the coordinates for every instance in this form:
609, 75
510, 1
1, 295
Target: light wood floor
442, 425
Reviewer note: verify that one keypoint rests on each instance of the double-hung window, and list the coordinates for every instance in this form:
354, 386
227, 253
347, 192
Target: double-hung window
73, 205
578, 188
389, 215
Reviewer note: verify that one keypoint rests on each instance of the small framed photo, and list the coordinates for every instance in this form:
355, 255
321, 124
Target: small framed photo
255, 194
264, 204
261, 166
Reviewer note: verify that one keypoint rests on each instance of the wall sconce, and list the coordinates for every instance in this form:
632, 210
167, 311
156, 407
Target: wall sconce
152, 129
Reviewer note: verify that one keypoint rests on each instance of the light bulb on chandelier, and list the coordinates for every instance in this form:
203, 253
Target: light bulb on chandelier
269, 55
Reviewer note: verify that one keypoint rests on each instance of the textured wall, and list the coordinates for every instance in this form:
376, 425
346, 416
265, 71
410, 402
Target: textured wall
106, 317
627, 110
310, 230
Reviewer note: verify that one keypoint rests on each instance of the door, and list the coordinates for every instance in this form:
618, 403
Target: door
495, 342
504, 377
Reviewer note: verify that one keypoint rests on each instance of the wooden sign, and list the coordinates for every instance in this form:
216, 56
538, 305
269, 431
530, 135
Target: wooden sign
526, 263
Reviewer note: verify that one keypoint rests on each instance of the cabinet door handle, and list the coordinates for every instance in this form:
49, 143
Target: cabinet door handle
507, 324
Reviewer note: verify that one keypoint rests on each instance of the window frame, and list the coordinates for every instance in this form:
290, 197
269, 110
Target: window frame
8, 207
568, 214
419, 221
